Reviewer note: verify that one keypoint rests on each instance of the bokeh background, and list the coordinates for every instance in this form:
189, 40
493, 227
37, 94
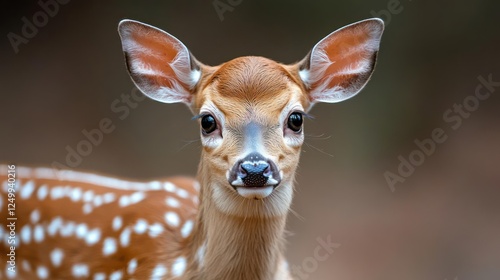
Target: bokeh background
442, 222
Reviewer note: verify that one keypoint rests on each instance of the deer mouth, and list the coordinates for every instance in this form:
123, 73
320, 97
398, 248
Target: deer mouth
255, 192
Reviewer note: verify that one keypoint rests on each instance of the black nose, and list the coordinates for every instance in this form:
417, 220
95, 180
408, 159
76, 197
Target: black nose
254, 173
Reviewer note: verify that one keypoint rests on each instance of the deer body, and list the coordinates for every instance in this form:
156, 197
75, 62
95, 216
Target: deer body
231, 224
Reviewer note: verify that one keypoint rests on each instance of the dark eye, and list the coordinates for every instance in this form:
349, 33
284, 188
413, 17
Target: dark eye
295, 122
208, 124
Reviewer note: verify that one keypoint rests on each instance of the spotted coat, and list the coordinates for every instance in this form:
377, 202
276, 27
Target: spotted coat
75, 225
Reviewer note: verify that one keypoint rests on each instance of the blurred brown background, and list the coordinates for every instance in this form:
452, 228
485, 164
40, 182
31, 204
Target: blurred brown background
442, 222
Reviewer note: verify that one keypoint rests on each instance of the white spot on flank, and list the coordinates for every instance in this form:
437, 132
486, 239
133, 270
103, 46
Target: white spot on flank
27, 190
169, 187
182, 193
172, 202
56, 193
26, 234
11, 274
109, 246
125, 237
98, 201
67, 191
42, 272
155, 185
88, 196
117, 223
35, 216
187, 228
158, 272
26, 265
178, 266
76, 194
38, 234
87, 208
137, 197
42, 192
124, 201
100, 276
117, 275
140, 226
82, 230
132, 265
56, 257
134, 198
108, 197
67, 229
93, 236
155, 230
172, 219
80, 270
54, 226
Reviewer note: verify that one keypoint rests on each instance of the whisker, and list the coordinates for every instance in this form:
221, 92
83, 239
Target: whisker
317, 137
297, 215
188, 142
319, 150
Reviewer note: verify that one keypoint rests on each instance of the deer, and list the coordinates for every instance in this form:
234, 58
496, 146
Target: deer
229, 222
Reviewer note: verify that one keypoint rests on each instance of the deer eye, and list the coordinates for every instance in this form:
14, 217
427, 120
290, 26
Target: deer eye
208, 124
295, 121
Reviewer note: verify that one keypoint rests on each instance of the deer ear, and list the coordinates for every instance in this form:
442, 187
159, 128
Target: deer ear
159, 64
340, 65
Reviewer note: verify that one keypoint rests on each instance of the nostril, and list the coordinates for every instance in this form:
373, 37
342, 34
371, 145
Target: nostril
242, 173
267, 171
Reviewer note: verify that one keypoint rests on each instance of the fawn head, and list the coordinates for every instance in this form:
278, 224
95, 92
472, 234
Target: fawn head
251, 109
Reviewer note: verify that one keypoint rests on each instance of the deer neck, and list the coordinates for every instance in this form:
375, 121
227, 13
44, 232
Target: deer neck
230, 246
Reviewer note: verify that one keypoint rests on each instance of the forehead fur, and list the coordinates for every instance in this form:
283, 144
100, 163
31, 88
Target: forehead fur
251, 78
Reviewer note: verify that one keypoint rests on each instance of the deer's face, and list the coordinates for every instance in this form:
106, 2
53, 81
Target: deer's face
251, 113
251, 109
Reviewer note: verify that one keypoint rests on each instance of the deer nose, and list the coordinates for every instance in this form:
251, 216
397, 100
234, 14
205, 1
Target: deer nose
254, 171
